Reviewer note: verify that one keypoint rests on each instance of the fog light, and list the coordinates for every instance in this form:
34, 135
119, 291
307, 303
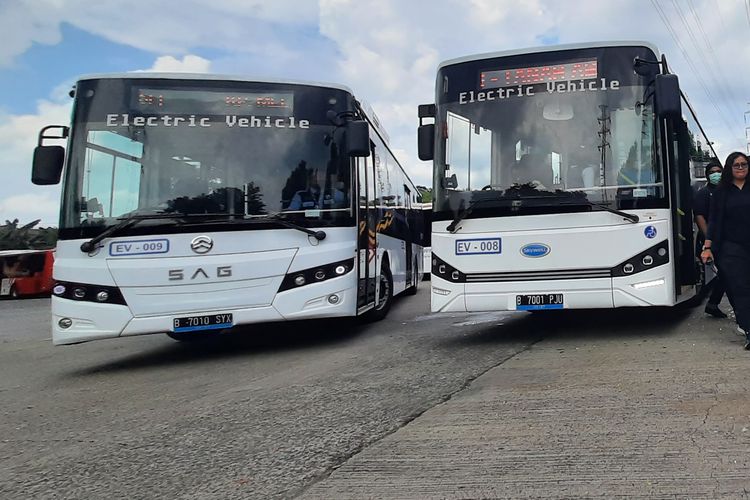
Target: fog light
648, 284
441, 269
648, 260
65, 323
440, 291
59, 289
79, 293
628, 268
299, 280
333, 299
320, 274
662, 252
455, 275
340, 269
102, 296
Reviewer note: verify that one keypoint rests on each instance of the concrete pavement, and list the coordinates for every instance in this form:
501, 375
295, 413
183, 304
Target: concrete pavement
629, 403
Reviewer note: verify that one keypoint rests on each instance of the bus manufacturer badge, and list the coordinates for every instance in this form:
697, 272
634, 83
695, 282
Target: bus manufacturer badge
650, 232
535, 250
202, 244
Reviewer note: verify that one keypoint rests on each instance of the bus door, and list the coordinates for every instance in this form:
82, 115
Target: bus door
681, 194
408, 238
367, 233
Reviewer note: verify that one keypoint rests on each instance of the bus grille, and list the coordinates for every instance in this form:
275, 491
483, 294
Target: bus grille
566, 274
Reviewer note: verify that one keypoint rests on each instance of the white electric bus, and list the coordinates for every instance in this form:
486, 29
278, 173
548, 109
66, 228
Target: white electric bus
193, 203
561, 180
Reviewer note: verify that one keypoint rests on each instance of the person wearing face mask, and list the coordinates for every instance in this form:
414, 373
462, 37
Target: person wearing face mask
701, 209
728, 237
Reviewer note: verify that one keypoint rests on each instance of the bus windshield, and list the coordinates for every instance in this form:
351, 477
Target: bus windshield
547, 131
204, 147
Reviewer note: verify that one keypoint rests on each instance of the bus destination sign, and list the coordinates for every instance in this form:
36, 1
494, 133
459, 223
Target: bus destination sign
493, 79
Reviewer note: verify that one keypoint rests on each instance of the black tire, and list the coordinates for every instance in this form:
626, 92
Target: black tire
380, 311
414, 288
13, 293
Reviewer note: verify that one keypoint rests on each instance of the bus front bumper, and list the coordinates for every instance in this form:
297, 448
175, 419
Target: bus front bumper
650, 288
92, 321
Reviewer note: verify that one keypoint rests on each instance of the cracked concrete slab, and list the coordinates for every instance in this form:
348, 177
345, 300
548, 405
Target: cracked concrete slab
630, 403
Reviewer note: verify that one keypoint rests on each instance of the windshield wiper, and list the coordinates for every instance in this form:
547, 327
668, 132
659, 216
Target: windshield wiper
465, 212
134, 218
125, 222
278, 217
631, 217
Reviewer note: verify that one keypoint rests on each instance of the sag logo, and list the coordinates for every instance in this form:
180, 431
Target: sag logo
202, 244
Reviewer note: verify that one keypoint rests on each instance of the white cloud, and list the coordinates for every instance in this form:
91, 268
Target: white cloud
188, 64
24, 23
19, 198
29, 207
158, 26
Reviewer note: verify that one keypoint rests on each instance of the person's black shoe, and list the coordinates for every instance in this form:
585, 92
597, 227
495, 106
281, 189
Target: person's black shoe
747, 344
714, 311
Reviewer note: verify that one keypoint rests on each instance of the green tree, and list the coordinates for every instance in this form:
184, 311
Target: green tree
425, 193
15, 237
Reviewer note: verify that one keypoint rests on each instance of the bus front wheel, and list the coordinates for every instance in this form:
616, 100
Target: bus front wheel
380, 311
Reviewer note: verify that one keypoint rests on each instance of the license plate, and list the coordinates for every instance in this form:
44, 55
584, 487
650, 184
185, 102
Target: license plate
204, 322
478, 246
539, 301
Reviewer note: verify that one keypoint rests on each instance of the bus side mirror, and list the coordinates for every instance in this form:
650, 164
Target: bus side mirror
48, 160
358, 138
426, 141
48, 165
667, 96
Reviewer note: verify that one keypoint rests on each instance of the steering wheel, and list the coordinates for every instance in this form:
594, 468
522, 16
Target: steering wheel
488, 187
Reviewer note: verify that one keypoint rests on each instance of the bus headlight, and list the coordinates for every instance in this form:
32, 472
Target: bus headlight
443, 270
655, 256
316, 274
88, 292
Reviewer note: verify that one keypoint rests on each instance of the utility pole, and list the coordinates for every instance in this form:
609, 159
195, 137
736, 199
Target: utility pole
747, 128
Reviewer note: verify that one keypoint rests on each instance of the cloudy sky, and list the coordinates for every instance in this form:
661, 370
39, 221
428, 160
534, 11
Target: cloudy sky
386, 50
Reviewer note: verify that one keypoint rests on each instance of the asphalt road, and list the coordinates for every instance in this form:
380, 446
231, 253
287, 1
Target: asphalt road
261, 413
418, 405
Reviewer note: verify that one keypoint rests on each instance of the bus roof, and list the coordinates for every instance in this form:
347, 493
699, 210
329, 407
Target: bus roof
548, 48
374, 120
208, 76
